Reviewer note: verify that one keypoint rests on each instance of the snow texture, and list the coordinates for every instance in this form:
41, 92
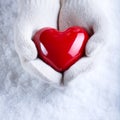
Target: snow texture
94, 95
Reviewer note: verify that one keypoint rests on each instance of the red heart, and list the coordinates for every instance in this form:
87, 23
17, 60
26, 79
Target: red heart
61, 49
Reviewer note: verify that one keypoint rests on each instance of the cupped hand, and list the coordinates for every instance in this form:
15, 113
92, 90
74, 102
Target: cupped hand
96, 20
35, 14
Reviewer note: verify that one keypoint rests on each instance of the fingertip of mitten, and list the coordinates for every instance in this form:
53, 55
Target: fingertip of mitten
27, 52
93, 49
30, 53
95, 44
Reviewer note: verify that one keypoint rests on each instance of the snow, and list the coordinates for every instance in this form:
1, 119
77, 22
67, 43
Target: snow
94, 95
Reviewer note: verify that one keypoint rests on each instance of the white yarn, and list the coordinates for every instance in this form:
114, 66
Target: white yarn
35, 14
97, 17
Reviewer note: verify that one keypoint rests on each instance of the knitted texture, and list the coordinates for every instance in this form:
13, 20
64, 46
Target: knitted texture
33, 15
97, 17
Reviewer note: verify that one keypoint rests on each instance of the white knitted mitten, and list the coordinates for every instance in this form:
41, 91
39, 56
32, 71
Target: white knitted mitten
97, 20
35, 14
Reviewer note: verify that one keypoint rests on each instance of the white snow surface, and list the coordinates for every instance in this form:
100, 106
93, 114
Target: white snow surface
94, 95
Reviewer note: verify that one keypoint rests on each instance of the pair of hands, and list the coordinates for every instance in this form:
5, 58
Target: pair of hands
36, 14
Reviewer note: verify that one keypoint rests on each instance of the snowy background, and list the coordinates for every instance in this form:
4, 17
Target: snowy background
23, 97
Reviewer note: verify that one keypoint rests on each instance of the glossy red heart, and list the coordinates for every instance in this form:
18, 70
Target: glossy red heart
61, 49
